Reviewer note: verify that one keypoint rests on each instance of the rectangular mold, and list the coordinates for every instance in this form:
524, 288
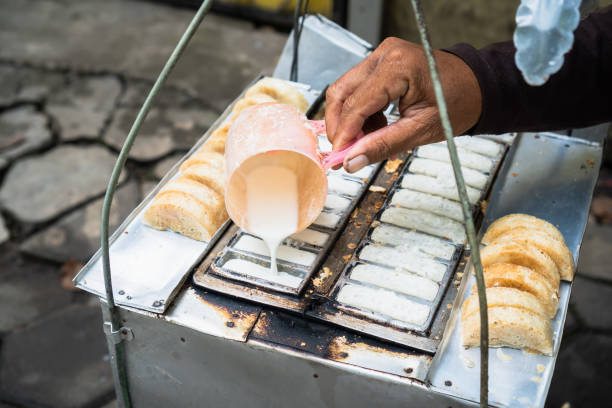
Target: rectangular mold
320, 251
149, 266
382, 326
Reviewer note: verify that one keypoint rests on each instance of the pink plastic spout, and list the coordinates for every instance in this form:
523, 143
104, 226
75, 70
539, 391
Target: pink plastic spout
335, 157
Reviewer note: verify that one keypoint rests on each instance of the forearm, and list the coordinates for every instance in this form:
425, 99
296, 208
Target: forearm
579, 95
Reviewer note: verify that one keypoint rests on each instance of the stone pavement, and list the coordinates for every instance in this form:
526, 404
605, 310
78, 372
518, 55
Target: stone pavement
72, 76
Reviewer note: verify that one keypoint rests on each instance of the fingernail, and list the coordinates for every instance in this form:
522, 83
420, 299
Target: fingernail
357, 163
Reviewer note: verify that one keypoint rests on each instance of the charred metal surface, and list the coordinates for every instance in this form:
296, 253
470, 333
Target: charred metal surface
212, 313
331, 314
228, 307
293, 331
367, 353
333, 343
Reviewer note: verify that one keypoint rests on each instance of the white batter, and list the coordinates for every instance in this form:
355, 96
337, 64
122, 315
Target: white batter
272, 206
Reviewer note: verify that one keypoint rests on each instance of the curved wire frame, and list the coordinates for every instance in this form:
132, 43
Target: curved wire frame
465, 204
123, 396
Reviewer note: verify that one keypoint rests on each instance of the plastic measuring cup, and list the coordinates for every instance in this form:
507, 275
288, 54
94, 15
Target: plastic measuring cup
277, 134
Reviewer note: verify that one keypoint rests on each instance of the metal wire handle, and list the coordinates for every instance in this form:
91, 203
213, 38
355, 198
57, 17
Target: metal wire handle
119, 370
465, 204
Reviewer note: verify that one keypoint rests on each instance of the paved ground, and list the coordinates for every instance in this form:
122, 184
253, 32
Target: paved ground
72, 76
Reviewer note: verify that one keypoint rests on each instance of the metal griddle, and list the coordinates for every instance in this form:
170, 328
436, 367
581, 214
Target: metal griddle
316, 297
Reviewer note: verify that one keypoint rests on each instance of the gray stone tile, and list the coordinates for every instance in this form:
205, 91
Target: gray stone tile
164, 130
13, 262
591, 301
582, 373
594, 260
112, 404
19, 85
83, 107
29, 296
136, 92
164, 166
61, 361
38, 188
136, 38
77, 235
9, 85
22, 130
4, 232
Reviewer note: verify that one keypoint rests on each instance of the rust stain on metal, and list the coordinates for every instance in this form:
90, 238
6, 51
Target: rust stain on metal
262, 326
340, 348
227, 313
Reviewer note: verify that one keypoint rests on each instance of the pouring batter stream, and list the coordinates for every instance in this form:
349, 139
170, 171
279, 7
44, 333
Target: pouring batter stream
272, 206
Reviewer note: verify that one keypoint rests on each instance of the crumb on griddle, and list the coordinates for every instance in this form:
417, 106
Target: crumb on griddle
347, 257
392, 165
322, 277
351, 246
377, 189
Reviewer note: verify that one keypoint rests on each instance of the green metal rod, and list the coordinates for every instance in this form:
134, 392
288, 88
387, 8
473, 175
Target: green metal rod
467, 215
124, 397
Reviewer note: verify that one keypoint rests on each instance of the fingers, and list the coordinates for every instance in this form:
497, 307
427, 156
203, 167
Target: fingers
422, 127
374, 122
341, 89
372, 96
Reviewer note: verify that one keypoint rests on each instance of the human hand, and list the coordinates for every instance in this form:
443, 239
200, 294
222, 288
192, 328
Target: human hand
398, 69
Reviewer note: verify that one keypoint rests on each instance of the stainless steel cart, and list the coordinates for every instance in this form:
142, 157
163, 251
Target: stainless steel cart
195, 336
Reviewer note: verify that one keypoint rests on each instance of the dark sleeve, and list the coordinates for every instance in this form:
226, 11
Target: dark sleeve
579, 95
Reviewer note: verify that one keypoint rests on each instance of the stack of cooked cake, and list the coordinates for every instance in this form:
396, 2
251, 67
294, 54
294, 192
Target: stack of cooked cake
193, 203
523, 263
420, 231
